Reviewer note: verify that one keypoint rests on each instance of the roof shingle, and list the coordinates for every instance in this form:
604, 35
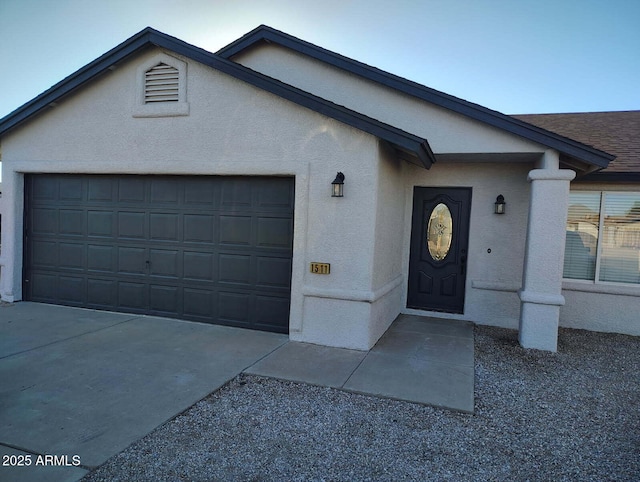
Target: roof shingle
617, 133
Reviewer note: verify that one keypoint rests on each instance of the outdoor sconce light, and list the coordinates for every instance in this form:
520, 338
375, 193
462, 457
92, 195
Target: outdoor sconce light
337, 186
500, 204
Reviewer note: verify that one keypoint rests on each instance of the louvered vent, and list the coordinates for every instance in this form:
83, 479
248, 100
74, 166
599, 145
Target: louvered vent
161, 84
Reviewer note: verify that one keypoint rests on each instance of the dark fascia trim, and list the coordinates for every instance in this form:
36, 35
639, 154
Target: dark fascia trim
73, 81
617, 177
401, 140
494, 118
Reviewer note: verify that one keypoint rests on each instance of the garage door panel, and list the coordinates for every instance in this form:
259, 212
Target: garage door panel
71, 222
101, 293
72, 256
165, 191
198, 303
101, 258
271, 311
198, 228
44, 287
71, 189
44, 254
235, 230
165, 299
71, 290
45, 221
132, 296
132, 260
164, 227
275, 194
132, 225
274, 232
45, 188
101, 224
234, 269
212, 249
234, 308
164, 263
132, 189
236, 194
273, 272
198, 266
101, 188
201, 193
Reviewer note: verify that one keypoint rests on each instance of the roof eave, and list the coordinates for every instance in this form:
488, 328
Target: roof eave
491, 117
419, 147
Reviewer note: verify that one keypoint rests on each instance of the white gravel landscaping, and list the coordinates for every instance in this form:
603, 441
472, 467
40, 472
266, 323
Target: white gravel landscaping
569, 416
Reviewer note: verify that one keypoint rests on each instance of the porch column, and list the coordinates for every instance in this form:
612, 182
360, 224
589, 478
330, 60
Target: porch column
541, 293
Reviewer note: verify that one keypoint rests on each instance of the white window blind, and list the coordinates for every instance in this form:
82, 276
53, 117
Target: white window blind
603, 237
620, 252
161, 84
582, 235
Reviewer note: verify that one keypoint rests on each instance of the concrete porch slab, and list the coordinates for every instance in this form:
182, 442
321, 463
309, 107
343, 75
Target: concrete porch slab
419, 359
303, 362
422, 360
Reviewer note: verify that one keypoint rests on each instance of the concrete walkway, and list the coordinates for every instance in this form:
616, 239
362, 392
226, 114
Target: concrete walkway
424, 360
89, 383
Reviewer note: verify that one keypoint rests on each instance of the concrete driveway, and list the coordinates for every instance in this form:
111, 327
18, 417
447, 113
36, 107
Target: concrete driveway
85, 383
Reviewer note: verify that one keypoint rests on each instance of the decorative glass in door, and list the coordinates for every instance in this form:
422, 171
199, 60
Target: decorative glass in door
439, 232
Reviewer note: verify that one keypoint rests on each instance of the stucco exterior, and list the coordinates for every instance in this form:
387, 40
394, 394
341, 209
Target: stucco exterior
232, 129
606, 307
448, 132
225, 126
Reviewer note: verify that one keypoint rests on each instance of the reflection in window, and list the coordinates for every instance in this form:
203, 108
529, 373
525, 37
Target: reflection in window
582, 235
620, 252
439, 232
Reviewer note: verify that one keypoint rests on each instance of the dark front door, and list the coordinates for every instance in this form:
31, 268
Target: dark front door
439, 239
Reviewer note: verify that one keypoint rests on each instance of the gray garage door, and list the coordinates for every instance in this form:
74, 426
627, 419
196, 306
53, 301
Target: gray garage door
211, 249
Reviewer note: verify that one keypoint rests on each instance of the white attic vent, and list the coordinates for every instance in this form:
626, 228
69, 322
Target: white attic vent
161, 87
161, 84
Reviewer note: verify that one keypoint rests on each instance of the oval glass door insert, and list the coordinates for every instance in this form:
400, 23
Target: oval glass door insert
439, 232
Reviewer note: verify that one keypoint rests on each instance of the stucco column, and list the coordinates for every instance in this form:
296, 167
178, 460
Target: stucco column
11, 206
541, 293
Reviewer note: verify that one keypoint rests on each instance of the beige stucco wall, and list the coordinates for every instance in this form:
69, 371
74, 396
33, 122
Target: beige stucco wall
446, 131
232, 129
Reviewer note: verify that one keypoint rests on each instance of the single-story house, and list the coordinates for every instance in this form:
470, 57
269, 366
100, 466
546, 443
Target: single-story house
276, 185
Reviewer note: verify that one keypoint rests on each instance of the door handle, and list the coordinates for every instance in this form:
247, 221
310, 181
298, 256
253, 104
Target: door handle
463, 264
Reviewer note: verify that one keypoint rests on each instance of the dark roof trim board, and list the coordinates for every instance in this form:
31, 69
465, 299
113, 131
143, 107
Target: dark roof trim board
404, 142
564, 145
617, 177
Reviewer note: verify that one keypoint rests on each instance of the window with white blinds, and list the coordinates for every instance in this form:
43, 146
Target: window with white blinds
603, 237
161, 84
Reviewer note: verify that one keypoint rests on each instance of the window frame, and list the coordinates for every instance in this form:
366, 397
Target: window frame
601, 220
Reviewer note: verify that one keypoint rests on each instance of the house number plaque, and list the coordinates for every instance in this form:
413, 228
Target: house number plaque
320, 268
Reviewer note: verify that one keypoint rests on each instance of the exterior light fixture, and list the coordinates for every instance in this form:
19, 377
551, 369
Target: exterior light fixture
500, 204
337, 186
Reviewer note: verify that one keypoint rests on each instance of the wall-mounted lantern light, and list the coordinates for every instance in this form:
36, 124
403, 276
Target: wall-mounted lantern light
337, 186
500, 204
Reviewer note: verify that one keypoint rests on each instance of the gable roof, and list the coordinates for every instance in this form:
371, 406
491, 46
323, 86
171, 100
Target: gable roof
409, 146
614, 132
566, 146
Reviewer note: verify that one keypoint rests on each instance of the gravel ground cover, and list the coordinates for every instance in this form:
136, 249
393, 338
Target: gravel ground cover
573, 415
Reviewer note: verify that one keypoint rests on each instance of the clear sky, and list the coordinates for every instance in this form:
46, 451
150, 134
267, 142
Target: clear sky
514, 56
